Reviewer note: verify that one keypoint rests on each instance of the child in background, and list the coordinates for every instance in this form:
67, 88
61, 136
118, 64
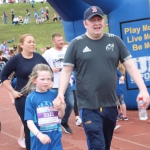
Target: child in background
11, 40
32, 3
120, 92
73, 85
25, 20
47, 13
76, 111
54, 18
43, 119
117, 88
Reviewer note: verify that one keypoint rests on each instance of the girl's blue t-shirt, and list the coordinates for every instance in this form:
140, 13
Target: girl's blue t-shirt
120, 86
42, 100
73, 80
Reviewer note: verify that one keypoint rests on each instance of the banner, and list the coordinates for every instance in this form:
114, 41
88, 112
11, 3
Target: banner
136, 36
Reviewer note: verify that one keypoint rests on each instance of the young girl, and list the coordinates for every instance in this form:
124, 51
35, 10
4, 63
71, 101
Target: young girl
54, 18
76, 110
43, 119
120, 92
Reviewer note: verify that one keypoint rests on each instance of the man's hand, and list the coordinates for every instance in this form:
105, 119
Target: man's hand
58, 100
57, 103
146, 98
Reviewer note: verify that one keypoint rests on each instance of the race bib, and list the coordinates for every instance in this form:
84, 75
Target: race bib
47, 115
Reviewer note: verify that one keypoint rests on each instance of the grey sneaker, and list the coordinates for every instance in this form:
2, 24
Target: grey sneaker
66, 128
120, 116
125, 118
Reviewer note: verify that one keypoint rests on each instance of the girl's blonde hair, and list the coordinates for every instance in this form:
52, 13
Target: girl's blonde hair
30, 86
22, 38
121, 68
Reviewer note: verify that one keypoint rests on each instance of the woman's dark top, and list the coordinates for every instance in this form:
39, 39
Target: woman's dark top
22, 68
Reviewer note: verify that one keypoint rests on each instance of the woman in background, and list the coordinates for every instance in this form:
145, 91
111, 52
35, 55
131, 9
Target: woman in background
22, 64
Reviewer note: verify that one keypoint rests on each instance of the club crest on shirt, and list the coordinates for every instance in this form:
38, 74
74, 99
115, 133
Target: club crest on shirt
110, 47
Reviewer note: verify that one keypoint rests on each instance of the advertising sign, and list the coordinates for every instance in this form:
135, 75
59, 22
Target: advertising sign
136, 36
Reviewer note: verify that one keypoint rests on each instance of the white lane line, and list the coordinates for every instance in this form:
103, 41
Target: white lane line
3, 144
134, 118
141, 134
9, 135
128, 123
131, 142
7, 96
7, 109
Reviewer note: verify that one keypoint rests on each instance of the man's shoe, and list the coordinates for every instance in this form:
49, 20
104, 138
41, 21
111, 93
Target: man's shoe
78, 122
66, 128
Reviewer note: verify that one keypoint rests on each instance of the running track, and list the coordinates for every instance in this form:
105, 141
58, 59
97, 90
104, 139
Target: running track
133, 134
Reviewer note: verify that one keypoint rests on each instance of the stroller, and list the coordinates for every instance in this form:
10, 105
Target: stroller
2, 65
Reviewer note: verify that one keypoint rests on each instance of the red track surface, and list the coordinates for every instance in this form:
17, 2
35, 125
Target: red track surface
133, 134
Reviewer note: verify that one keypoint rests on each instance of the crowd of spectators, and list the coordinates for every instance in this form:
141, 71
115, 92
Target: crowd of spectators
40, 16
21, 1
6, 51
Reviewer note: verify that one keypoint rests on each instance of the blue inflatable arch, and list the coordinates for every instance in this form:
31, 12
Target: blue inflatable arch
129, 19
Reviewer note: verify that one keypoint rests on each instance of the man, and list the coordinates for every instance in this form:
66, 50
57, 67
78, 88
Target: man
95, 55
55, 57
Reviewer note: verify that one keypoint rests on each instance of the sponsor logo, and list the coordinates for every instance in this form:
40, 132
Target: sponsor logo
110, 47
86, 49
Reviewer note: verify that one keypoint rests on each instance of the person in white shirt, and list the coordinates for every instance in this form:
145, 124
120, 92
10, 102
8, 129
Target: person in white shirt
15, 20
55, 56
25, 21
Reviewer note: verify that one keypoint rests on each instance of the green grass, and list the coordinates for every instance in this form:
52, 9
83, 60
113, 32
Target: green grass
41, 32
